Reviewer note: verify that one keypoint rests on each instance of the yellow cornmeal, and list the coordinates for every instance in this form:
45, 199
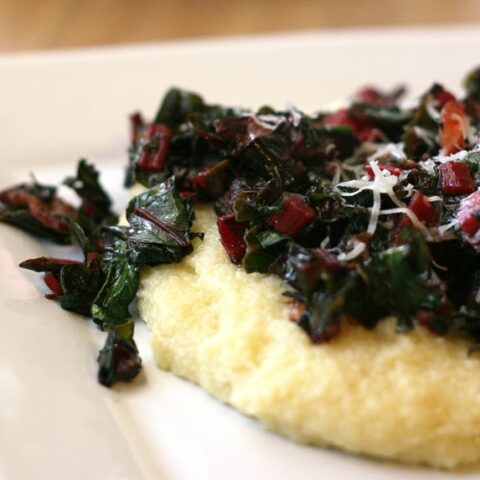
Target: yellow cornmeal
412, 397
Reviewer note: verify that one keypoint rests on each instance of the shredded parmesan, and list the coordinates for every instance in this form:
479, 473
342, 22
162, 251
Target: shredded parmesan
325, 242
428, 166
433, 113
383, 183
357, 250
337, 175
448, 226
268, 122
388, 187
394, 151
454, 157
416, 222
387, 225
437, 265
425, 135
296, 114
409, 189
375, 211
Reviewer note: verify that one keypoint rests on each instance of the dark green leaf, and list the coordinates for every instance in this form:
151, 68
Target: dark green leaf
472, 84
80, 285
24, 220
177, 105
119, 359
111, 305
160, 225
96, 204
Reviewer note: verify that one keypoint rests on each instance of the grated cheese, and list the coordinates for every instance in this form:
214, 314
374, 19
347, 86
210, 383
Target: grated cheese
388, 187
428, 166
295, 113
433, 113
437, 265
391, 151
411, 215
448, 226
383, 183
325, 242
409, 189
375, 211
424, 134
338, 173
454, 157
357, 250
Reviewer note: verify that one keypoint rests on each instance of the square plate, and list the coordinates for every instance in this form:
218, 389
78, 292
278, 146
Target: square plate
56, 420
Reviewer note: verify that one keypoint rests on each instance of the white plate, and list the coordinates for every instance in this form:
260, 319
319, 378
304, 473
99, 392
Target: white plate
56, 422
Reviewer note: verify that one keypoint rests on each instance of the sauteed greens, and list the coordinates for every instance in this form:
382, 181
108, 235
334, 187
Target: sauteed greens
366, 212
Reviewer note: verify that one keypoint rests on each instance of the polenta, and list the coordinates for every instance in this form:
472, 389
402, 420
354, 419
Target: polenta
412, 397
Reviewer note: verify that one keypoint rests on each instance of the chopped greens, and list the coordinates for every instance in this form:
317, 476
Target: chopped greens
36, 209
105, 283
366, 212
119, 359
354, 208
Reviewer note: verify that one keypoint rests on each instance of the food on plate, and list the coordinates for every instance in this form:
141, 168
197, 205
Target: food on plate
105, 282
329, 284
410, 396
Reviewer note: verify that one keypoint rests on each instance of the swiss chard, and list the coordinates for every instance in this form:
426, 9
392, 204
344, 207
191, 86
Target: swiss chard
38, 210
119, 359
111, 303
160, 223
358, 210
367, 292
105, 283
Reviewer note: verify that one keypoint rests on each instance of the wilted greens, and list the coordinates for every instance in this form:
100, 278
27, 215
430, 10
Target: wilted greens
359, 209
369, 211
105, 283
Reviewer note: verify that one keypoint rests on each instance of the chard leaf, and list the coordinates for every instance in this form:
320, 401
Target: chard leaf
392, 269
386, 117
472, 84
177, 105
80, 285
79, 236
37, 210
264, 247
160, 225
119, 359
266, 154
87, 186
24, 220
117, 293
417, 144
342, 138
258, 261
368, 293
473, 161
268, 238
46, 264
96, 204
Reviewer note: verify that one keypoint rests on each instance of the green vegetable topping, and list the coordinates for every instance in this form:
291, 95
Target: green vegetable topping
366, 212
105, 283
